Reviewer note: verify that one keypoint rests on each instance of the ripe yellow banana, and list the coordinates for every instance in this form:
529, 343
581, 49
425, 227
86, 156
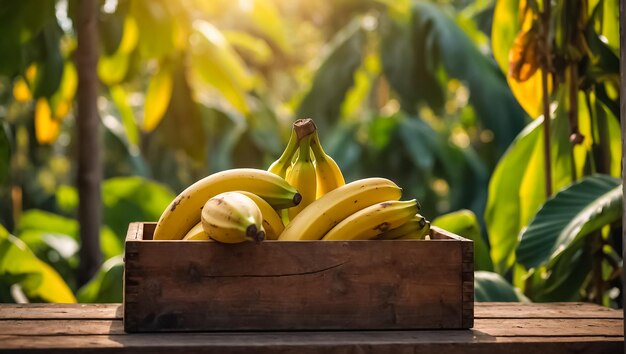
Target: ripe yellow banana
328, 173
302, 176
184, 211
369, 222
272, 222
423, 234
323, 214
280, 166
197, 233
231, 217
415, 225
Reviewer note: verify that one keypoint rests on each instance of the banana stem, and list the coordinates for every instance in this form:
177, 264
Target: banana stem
304, 127
546, 63
305, 149
316, 147
291, 148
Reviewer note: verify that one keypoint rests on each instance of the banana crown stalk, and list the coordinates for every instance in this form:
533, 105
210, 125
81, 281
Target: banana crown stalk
280, 166
232, 217
302, 176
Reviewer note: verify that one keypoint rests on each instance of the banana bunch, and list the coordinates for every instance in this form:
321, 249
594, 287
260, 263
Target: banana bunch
304, 189
306, 166
184, 212
361, 210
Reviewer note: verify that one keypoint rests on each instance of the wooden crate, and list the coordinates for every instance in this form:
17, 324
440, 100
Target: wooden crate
305, 285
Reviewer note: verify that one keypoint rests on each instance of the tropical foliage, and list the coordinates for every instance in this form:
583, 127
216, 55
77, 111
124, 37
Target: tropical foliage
407, 90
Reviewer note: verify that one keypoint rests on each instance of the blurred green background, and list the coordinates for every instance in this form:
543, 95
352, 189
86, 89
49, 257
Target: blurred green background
443, 97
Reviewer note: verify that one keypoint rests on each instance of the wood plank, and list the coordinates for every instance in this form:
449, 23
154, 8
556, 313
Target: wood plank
313, 342
487, 327
554, 327
481, 309
543, 310
60, 311
306, 285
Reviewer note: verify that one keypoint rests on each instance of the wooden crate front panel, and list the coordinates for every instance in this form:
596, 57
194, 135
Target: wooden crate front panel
186, 286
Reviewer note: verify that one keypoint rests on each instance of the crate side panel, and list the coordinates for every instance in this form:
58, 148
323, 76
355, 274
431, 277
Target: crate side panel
298, 285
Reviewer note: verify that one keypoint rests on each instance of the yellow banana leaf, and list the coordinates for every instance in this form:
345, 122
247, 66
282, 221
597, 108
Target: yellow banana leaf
46, 128
157, 98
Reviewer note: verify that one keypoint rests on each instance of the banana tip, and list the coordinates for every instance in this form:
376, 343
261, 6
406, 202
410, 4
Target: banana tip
297, 198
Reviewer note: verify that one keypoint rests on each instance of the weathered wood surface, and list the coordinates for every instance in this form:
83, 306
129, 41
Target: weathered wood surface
498, 328
297, 285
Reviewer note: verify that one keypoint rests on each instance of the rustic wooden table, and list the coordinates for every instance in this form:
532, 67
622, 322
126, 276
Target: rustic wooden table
499, 328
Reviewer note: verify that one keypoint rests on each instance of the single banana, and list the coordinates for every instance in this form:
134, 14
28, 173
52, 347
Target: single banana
328, 173
272, 222
413, 226
280, 166
369, 222
232, 217
302, 176
423, 234
323, 214
184, 211
197, 233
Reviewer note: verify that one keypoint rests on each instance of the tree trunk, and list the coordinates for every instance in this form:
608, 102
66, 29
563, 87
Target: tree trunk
622, 31
89, 172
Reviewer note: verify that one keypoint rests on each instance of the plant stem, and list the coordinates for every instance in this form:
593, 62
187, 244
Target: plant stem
575, 136
546, 65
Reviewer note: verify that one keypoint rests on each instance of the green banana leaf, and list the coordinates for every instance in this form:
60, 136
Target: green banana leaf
106, 285
20, 23
37, 280
432, 41
126, 200
50, 67
156, 23
503, 209
215, 65
5, 151
54, 239
334, 77
464, 223
120, 98
491, 287
182, 126
517, 185
564, 279
570, 215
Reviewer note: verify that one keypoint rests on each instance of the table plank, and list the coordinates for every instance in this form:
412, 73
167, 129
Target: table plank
499, 327
489, 327
544, 310
481, 310
60, 311
339, 342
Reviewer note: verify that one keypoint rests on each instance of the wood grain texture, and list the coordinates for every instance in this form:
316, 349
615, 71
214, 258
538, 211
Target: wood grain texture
494, 310
485, 327
564, 328
60, 311
561, 310
423, 343
277, 285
